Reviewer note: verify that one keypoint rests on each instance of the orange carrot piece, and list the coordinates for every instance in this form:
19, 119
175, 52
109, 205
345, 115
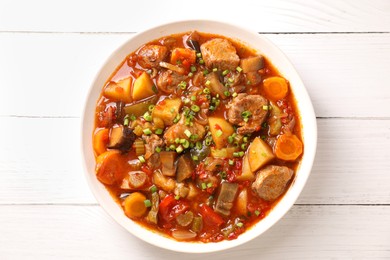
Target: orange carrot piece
135, 205
288, 147
100, 141
275, 88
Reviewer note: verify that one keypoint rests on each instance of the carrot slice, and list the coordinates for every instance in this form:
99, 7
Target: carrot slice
275, 88
288, 147
100, 140
109, 169
135, 205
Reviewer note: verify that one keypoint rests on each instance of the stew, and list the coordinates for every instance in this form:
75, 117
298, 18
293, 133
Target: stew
197, 136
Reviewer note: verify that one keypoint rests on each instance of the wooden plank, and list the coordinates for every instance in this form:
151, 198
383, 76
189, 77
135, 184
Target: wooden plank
128, 16
40, 162
344, 74
306, 232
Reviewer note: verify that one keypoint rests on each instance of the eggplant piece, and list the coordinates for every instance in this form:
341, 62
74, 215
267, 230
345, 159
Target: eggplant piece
134, 180
168, 163
121, 138
226, 198
185, 219
193, 41
252, 64
253, 78
140, 108
153, 213
200, 153
185, 168
216, 87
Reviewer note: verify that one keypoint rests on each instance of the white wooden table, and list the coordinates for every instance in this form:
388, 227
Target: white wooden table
49, 54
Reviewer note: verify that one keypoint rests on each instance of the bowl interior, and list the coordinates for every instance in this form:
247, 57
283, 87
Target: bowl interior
251, 39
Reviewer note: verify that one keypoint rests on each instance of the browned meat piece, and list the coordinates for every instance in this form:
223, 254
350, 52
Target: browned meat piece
178, 131
220, 53
252, 105
150, 56
151, 142
226, 198
272, 181
168, 80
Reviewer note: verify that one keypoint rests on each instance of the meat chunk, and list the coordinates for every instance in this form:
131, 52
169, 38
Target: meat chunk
272, 181
254, 106
185, 168
151, 142
220, 53
226, 198
179, 131
150, 55
168, 80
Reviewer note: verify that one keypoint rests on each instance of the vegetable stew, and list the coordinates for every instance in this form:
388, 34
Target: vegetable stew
197, 136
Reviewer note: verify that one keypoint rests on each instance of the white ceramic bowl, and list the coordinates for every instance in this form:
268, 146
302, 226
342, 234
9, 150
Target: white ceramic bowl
264, 47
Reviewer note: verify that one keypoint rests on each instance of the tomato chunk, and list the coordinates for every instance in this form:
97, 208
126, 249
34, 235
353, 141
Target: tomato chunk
210, 217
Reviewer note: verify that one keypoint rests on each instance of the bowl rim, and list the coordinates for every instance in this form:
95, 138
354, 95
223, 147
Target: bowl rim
282, 207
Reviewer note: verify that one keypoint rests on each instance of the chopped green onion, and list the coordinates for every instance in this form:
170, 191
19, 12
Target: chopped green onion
158, 149
206, 91
172, 147
246, 119
186, 144
239, 69
238, 154
158, 131
187, 101
257, 213
223, 174
193, 98
132, 117
215, 69
193, 68
207, 83
265, 108
190, 74
195, 158
147, 131
203, 186
147, 203
198, 145
194, 137
246, 114
177, 118
147, 116
243, 146
187, 133
230, 139
231, 162
245, 139
205, 72
141, 158
195, 108
198, 54
151, 107
179, 149
226, 93
219, 133
225, 72
183, 85
153, 189
201, 61
239, 224
126, 120
177, 197
182, 141
234, 94
209, 185
177, 140
230, 80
